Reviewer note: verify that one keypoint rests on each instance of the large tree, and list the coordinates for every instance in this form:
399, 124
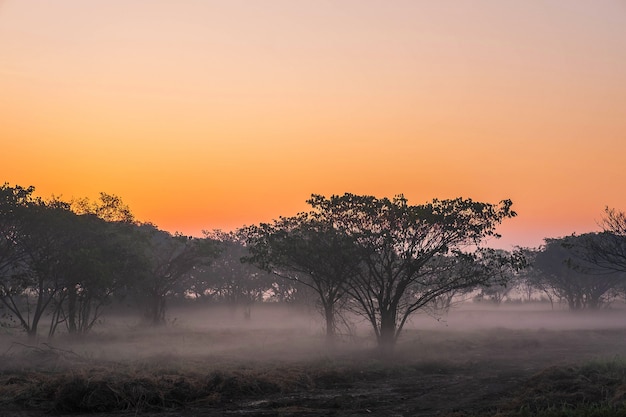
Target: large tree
14, 202
105, 256
399, 246
100, 257
42, 240
55, 261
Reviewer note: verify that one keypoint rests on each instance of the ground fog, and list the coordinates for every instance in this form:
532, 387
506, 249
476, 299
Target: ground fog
477, 360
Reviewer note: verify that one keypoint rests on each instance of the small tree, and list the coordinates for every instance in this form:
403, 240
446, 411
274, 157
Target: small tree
172, 260
228, 279
309, 250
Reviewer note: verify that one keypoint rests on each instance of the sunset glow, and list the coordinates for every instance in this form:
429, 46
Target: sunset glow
216, 114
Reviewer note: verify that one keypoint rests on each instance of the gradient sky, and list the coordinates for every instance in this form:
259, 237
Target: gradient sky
216, 114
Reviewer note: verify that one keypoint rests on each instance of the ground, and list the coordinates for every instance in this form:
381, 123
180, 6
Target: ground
477, 361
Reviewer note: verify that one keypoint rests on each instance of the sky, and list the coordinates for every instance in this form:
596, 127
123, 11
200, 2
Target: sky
217, 114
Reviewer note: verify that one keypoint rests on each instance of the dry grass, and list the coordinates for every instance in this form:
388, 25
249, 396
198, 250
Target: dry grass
288, 371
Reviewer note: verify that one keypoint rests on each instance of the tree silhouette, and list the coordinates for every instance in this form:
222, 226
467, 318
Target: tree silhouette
309, 250
570, 276
398, 247
172, 260
606, 251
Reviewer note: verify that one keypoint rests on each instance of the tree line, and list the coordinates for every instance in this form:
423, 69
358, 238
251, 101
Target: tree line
383, 259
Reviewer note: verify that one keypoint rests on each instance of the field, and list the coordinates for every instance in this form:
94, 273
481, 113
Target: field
479, 360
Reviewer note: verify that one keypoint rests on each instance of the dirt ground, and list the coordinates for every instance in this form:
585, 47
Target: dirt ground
476, 361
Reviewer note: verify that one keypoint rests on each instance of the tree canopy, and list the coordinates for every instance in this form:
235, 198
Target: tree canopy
383, 253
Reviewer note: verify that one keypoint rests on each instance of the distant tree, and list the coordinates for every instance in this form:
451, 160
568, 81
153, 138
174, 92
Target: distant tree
292, 292
504, 267
108, 207
172, 260
398, 246
606, 251
309, 250
229, 280
570, 277
530, 280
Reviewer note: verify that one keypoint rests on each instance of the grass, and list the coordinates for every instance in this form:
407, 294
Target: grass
484, 372
595, 388
60, 381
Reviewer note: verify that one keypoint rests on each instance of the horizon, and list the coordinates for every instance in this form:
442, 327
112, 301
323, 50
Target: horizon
501, 242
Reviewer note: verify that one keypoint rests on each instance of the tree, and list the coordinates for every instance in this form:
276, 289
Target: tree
529, 280
99, 258
504, 268
228, 279
398, 247
51, 257
172, 260
42, 241
569, 276
309, 250
108, 207
606, 251
13, 203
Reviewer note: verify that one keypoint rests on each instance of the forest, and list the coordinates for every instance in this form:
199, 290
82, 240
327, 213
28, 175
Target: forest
357, 261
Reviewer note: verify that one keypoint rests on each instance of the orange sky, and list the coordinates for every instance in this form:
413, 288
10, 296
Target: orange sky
215, 114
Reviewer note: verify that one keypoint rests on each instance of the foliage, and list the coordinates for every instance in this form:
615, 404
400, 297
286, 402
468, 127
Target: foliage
504, 268
563, 272
53, 258
229, 280
172, 262
102, 259
108, 207
605, 252
592, 389
308, 250
399, 248
42, 242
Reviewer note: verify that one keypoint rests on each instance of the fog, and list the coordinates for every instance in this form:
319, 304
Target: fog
215, 336
214, 360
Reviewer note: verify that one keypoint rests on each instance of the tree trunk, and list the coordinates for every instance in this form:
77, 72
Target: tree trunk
156, 310
329, 314
71, 309
32, 331
387, 337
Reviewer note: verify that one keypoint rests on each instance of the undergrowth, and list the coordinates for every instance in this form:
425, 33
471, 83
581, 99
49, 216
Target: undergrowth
595, 388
